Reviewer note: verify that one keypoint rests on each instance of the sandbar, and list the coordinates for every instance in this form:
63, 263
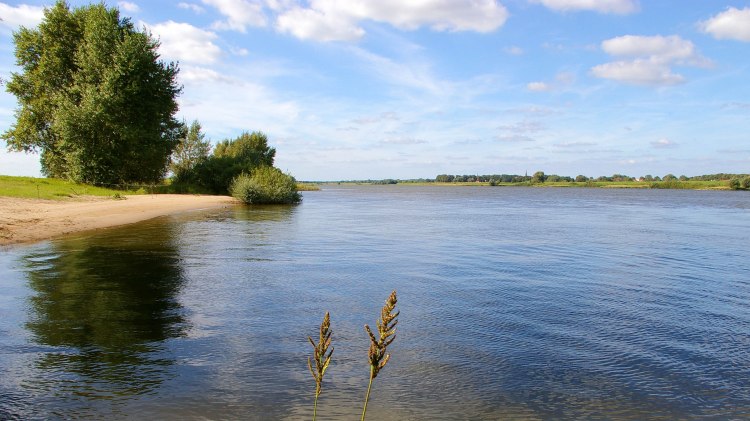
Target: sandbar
29, 220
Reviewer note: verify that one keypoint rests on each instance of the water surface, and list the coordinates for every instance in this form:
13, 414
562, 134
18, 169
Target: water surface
516, 304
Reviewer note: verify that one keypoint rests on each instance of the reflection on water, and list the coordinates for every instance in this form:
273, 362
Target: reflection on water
103, 306
515, 304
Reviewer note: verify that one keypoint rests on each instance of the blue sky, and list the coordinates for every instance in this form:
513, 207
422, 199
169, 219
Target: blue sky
357, 89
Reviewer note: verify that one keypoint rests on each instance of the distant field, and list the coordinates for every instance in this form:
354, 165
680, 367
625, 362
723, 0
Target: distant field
53, 189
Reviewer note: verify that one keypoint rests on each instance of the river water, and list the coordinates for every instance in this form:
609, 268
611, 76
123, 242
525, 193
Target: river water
515, 303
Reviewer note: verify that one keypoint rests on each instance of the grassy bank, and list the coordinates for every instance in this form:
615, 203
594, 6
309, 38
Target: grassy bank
54, 189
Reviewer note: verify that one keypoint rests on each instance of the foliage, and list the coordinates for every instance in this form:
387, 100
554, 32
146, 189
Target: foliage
191, 150
230, 159
51, 188
670, 183
746, 183
266, 185
94, 97
735, 184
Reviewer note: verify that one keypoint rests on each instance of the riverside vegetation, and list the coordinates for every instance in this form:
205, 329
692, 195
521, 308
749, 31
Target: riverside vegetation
377, 354
721, 181
99, 106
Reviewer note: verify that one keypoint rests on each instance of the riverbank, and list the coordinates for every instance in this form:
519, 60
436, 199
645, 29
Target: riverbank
29, 220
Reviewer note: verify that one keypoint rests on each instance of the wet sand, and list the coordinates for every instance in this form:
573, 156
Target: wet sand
29, 220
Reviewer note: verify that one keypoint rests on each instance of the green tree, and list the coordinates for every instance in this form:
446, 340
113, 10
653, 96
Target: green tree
230, 159
94, 97
581, 178
192, 149
266, 185
538, 177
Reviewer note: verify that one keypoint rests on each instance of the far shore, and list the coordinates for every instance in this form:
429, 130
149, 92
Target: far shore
30, 220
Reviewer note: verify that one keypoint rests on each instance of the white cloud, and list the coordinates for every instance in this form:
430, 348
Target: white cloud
514, 50
336, 20
191, 6
730, 24
128, 6
186, 43
648, 59
239, 13
318, 25
659, 48
21, 15
621, 7
663, 143
562, 80
638, 72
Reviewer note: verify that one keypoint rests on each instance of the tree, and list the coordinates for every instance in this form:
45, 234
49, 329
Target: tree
581, 178
538, 177
230, 159
191, 150
94, 97
266, 185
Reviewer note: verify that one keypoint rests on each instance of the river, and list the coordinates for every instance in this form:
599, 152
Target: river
516, 303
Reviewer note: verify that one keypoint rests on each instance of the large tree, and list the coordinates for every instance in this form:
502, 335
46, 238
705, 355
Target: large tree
95, 99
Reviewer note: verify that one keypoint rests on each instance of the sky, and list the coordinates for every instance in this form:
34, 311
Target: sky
373, 89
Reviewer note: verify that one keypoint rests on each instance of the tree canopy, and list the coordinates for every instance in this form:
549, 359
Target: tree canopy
191, 149
230, 158
95, 99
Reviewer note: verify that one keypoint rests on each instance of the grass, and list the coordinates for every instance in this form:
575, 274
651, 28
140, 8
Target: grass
307, 187
54, 189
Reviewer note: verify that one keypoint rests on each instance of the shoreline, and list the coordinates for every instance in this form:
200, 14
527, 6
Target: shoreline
31, 220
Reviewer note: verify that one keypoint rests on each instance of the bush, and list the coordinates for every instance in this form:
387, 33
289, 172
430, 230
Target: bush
734, 184
266, 185
746, 183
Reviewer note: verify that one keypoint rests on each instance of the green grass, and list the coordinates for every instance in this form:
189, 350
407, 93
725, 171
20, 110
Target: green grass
53, 189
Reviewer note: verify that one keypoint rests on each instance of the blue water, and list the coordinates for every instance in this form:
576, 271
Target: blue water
515, 304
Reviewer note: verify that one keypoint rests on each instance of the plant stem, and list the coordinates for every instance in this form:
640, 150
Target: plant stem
367, 396
315, 406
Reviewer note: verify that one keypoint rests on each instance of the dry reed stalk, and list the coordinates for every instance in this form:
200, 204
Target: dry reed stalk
322, 360
378, 346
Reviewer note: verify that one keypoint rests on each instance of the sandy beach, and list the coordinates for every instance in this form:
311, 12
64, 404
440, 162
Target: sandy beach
28, 220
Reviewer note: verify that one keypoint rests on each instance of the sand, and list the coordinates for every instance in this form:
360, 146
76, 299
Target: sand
29, 220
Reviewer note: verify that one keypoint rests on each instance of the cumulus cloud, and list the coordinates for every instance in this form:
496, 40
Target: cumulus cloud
21, 15
239, 14
621, 7
128, 6
730, 24
336, 20
186, 43
648, 60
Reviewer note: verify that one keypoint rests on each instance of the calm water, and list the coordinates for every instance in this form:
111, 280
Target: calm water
515, 304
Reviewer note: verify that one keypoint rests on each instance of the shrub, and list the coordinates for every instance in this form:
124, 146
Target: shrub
746, 183
266, 185
734, 184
